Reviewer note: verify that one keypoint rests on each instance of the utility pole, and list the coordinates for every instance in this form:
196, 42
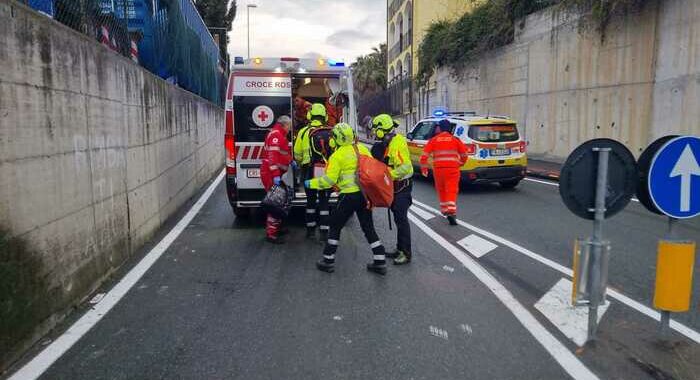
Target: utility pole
248, 21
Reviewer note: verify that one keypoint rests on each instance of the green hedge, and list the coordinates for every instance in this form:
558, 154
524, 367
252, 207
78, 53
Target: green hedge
491, 24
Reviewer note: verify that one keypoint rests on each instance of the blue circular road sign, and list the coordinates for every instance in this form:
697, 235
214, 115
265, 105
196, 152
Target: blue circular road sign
674, 178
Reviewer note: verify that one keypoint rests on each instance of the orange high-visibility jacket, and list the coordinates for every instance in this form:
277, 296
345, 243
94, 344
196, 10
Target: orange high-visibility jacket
445, 150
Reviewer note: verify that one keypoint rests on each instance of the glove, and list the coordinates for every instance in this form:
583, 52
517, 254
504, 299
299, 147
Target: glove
293, 165
424, 172
307, 184
277, 180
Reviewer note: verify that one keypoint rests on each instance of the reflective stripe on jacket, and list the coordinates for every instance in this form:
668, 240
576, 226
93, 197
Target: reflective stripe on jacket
341, 170
445, 150
399, 158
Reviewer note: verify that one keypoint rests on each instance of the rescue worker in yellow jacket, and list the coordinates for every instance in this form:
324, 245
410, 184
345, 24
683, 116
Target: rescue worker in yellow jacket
317, 209
341, 173
392, 149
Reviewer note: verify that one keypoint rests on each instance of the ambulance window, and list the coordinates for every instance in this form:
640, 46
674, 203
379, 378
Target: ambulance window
424, 130
494, 133
253, 128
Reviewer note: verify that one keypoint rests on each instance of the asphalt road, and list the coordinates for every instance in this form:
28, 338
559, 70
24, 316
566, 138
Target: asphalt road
220, 303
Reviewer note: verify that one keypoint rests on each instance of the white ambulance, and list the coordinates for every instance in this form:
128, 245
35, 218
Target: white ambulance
259, 91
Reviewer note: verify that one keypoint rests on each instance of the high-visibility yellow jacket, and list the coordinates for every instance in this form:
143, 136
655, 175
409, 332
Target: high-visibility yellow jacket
341, 170
302, 144
399, 158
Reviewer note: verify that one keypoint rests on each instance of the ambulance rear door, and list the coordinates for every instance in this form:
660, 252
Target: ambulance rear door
258, 100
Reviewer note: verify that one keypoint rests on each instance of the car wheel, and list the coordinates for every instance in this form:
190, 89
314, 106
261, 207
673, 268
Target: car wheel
509, 184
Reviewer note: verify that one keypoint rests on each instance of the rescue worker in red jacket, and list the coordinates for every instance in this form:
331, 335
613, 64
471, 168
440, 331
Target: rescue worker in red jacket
448, 154
276, 159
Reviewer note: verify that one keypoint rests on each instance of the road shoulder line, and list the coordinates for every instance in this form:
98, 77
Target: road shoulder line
40, 363
567, 360
679, 327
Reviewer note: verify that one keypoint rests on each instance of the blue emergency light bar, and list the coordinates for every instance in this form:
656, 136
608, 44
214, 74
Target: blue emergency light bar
336, 63
439, 113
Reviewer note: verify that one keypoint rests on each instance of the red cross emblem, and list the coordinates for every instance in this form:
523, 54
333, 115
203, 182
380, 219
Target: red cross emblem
263, 116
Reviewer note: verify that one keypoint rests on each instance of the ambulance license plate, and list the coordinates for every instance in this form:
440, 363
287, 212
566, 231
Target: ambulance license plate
500, 152
252, 173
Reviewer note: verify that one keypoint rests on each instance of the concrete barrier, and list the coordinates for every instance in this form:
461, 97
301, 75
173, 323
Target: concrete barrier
95, 154
566, 84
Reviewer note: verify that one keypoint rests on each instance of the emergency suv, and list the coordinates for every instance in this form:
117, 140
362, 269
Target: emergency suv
496, 151
259, 91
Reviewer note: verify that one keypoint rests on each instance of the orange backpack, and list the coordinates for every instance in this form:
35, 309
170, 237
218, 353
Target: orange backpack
375, 181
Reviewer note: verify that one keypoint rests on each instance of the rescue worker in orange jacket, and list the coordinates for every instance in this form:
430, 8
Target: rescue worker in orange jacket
276, 159
448, 154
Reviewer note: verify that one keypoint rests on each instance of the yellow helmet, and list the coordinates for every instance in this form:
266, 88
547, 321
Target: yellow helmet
383, 124
343, 134
317, 112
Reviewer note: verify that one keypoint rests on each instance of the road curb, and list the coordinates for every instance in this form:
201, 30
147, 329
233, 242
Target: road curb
552, 176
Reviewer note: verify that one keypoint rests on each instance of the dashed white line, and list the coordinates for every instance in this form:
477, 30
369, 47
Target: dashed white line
685, 330
567, 360
557, 185
476, 245
39, 364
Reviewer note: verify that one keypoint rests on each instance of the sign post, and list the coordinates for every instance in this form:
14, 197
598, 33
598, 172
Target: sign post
670, 185
597, 181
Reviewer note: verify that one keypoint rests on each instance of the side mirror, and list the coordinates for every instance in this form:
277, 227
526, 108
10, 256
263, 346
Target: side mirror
409, 135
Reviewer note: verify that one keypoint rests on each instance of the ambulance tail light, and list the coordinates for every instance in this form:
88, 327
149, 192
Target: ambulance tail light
522, 146
471, 149
229, 144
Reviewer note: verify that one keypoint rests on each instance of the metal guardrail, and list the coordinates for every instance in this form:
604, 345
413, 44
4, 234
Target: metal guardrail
167, 37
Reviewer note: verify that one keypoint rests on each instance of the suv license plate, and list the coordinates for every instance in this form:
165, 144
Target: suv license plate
252, 173
500, 152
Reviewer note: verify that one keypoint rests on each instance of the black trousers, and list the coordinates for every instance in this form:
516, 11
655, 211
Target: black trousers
317, 209
348, 204
402, 201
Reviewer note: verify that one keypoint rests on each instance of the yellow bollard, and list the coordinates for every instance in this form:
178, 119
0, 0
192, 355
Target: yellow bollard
674, 275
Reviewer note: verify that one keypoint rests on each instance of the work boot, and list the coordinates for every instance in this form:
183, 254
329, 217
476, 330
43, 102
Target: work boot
377, 268
452, 220
310, 233
274, 239
325, 266
393, 255
402, 258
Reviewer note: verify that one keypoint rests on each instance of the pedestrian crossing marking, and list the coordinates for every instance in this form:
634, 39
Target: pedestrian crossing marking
422, 213
572, 321
476, 245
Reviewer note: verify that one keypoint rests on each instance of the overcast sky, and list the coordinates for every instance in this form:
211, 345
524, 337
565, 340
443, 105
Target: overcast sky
337, 29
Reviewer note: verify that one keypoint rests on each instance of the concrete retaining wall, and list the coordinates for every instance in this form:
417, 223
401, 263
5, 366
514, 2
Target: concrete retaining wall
565, 84
95, 154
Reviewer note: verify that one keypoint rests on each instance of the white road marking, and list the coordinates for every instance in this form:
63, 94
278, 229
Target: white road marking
466, 328
448, 268
40, 363
567, 360
423, 214
557, 185
438, 332
477, 246
571, 320
685, 330
337, 317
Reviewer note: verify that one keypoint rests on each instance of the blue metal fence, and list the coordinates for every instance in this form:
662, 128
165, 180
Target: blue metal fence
167, 37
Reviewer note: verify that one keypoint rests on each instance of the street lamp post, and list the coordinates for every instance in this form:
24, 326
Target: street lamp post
248, 21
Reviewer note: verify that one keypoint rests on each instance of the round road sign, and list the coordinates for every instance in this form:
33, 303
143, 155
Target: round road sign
577, 182
674, 178
263, 116
644, 164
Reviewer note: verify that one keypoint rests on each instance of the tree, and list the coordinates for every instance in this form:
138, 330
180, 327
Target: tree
369, 72
218, 14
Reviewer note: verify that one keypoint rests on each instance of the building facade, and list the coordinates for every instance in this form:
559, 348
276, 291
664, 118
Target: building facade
407, 22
